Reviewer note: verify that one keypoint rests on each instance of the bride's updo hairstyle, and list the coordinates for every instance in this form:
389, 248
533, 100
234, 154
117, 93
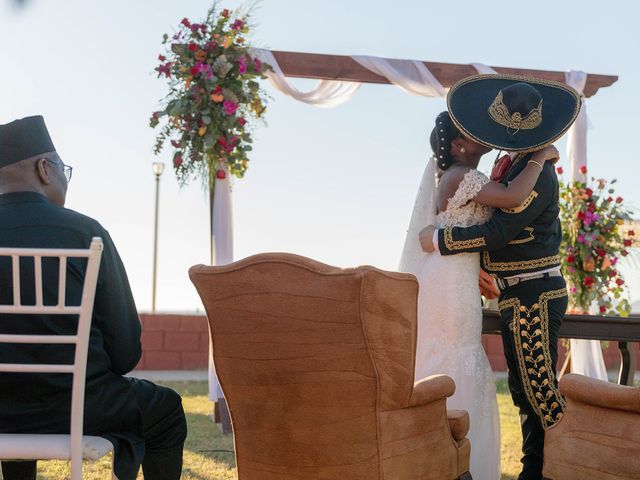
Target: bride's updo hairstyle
441, 137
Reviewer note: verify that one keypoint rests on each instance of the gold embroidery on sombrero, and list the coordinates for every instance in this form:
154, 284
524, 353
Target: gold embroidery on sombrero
519, 265
452, 244
530, 328
514, 121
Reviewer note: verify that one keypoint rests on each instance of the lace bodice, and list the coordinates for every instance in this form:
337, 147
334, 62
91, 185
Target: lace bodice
461, 210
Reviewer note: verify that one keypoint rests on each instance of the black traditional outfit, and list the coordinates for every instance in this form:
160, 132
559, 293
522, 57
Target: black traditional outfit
519, 246
145, 422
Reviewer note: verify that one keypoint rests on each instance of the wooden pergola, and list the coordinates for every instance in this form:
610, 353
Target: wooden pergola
341, 67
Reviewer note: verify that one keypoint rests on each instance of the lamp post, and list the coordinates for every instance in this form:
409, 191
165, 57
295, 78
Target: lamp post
158, 168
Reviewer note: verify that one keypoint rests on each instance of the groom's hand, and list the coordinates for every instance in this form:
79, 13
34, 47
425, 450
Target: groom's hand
426, 238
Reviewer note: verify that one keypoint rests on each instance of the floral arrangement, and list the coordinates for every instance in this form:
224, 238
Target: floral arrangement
594, 240
214, 96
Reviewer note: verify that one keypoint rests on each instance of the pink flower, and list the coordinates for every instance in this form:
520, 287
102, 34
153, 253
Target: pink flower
242, 65
237, 25
614, 260
573, 289
229, 107
241, 121
257, 65
580, 238
185, 22
164, 68
177, 161
162, 58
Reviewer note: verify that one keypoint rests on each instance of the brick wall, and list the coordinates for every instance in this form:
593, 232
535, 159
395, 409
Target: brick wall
174, 342
181, 342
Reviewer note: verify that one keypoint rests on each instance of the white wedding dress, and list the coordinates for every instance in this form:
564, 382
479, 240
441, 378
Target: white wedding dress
450, 324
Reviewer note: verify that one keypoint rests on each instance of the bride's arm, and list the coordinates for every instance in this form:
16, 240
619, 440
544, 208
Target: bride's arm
498, 195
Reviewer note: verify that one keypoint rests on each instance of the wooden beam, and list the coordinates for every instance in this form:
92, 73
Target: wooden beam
340, 67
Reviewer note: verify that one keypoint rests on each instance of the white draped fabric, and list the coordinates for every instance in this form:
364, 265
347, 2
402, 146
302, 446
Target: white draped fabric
222, 230
326, 93
586, 355
411, 76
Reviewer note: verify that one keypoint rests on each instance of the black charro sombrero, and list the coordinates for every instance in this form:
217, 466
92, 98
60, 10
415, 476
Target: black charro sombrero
512, 113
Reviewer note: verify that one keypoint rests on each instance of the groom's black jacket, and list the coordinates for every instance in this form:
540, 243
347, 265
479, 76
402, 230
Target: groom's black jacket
515, 240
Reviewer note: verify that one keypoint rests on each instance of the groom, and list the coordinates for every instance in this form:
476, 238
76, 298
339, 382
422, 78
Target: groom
519, 246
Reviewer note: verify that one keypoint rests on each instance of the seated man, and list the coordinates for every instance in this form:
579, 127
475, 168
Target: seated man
144, 421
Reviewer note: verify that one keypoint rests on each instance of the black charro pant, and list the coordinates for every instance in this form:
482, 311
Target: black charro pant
531, 313
164, 429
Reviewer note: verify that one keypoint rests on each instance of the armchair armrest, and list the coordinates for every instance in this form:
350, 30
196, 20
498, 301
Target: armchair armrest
599, 393
435, 387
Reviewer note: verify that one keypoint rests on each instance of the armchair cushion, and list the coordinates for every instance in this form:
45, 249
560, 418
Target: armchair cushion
599, 393
458, 423
432, 388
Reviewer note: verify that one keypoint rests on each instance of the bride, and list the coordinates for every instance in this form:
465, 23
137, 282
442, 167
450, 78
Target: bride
449, 303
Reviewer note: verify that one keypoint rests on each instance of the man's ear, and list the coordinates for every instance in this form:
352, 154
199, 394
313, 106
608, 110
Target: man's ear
42, 170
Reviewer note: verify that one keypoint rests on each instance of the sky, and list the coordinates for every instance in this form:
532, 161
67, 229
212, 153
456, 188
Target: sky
336, 185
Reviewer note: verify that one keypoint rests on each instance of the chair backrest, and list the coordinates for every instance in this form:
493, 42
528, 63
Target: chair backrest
308, 355
84, 312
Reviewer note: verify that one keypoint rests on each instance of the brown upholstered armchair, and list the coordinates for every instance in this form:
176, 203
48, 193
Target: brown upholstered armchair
598, 438
316, 364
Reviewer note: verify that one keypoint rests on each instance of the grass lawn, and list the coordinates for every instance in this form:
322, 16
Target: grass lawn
208, 453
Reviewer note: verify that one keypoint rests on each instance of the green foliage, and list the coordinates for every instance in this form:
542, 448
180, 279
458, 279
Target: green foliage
214, 99
593, 241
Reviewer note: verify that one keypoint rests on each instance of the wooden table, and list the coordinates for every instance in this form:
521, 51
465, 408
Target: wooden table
591, 327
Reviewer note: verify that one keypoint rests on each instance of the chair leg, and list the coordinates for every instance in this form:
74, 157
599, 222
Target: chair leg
465, 476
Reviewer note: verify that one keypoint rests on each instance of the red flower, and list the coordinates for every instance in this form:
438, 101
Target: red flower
581, 215
177, 160
591, 207
601, 252
624, 253
221, 175
583, 169
185, 22
627, 242
619, 200
559, 170
609, 199
193, 71
619, 282
225, 13
631, 233
175, 144
588, 281
588, 191
612, 273
193, 47
603, 309
162, 58
571, 258
241, 121
237, 25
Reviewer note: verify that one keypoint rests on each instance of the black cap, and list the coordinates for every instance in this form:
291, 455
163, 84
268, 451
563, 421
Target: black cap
24, 138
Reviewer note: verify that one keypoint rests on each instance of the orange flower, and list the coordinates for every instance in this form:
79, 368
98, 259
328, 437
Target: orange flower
216, 97
606, 264
202, 131
589, 265
188, 82
226, 42
201, 55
